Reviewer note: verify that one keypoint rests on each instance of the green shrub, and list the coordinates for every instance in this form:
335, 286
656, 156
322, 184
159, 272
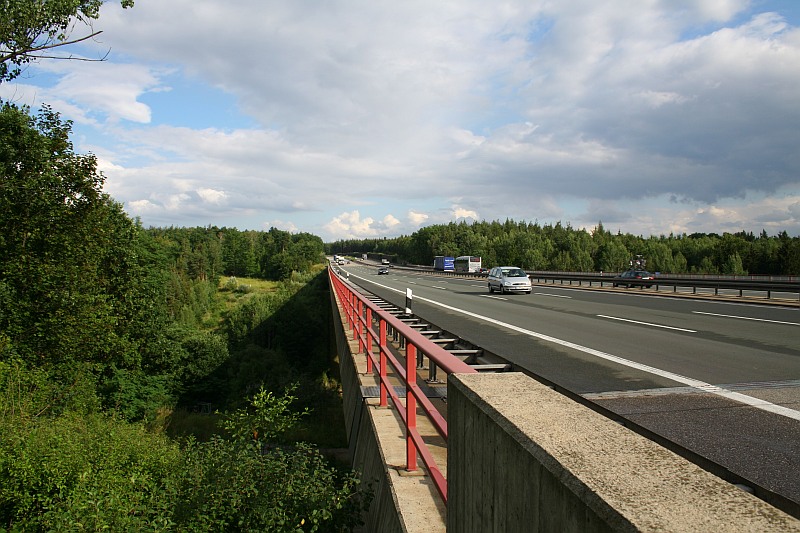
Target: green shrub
85, 472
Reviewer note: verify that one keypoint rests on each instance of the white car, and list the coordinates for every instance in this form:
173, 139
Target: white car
509, 279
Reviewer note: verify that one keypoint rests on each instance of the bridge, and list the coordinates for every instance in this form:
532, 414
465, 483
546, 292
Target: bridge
455, 437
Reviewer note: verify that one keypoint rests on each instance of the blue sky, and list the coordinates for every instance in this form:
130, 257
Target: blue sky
368, 119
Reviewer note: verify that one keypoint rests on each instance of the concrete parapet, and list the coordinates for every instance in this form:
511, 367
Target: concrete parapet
524, 458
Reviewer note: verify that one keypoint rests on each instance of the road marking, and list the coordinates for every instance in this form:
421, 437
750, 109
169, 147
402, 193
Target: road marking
495, 297
440, 288
691, 382
664, 391
553, 295
646, 323
749, 318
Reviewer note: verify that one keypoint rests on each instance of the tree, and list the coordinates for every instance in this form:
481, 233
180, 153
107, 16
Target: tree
67, 250
612, 256
31, 29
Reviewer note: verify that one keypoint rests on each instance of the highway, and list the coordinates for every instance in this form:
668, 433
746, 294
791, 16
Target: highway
720, 378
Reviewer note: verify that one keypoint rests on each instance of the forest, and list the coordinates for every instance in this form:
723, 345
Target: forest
561, 248
155, 379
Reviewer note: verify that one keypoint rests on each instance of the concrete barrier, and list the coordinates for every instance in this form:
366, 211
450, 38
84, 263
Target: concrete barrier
523, 458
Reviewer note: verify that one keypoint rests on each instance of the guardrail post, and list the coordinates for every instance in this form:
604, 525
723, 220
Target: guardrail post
382, 360
351, 310
360, 326
411, 406
368, 347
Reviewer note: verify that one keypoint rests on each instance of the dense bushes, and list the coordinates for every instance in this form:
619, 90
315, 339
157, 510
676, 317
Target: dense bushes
94, 472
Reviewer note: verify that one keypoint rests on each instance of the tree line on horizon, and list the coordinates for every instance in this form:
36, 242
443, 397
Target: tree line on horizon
557, 247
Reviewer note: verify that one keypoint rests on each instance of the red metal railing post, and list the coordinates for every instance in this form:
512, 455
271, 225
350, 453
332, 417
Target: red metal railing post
360, 326
411, 405
350, 309
368, 340
382, 360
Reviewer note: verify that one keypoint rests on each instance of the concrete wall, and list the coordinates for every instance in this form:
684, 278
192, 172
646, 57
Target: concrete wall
523, 458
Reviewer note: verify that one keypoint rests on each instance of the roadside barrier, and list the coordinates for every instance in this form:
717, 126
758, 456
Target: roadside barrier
372, 326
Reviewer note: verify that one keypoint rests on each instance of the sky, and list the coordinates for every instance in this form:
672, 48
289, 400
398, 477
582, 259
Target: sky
371, 119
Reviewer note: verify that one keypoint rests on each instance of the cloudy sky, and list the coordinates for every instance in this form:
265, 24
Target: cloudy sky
369, 118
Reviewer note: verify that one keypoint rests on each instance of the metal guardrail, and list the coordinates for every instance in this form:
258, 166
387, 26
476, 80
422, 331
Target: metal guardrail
767, 286
371, 326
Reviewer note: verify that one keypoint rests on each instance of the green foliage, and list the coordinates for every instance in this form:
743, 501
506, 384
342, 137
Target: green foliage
27, 393
238, 484
135, 395
67, 251
230, 486
31, 29
267, 418
79, 471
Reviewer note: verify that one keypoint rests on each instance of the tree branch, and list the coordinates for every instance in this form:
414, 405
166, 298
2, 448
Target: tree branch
11, 55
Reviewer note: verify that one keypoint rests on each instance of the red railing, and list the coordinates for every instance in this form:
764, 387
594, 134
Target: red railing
370, 325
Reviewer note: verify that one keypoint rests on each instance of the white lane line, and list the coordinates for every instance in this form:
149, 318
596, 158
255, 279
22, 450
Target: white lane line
749, 318
495, 297
553, 295
696, 383
440, 288
646, 323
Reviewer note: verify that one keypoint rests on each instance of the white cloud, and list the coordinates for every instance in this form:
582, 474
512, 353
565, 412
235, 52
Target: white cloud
529, 110
281, 225
460, 213
417, 219
390, 222
211, 196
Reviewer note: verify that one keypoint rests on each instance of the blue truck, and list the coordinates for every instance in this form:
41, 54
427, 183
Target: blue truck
444, 263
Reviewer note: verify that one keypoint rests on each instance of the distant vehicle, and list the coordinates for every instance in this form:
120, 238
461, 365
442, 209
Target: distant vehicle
508, 279
384, 261
467, 263
443, 263
633, 275
383, 270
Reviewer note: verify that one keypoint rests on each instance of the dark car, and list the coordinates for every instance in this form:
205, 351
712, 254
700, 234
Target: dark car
383, 270
629, 275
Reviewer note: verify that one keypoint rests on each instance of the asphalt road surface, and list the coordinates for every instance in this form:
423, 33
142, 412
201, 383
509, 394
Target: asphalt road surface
721, 378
